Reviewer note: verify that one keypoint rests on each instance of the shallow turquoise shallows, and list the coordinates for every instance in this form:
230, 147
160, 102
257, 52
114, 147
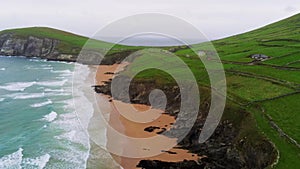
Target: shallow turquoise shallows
38, 124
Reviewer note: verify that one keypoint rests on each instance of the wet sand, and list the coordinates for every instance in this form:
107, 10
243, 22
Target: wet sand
120, 120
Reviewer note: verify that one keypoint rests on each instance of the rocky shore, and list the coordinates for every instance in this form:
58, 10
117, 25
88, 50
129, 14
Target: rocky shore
229, 147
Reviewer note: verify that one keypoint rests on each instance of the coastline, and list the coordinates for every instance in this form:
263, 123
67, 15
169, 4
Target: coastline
98, 157
137, 130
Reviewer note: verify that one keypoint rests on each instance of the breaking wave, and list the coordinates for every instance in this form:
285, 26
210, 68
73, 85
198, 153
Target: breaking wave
41, 104
16, 161
50, 117
17, 86
21, 86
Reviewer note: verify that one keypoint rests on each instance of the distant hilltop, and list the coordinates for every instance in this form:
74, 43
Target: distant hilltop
41, 42
53, 44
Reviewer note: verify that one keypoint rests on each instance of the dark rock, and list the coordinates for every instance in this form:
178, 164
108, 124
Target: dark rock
161, 131
170, 152
33, 47
151, 128
156, 164
109, 73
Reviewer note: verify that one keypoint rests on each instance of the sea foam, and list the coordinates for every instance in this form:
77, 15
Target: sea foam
17, 86
21, 86
38, 162
27, 95
50, 117
54, 90
52, 83
13, 160
62, 71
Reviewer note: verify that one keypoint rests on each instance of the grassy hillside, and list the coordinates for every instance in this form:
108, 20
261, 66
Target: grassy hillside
268, 89
279, 40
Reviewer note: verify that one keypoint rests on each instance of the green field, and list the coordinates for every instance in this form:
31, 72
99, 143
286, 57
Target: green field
285, 112
259, 81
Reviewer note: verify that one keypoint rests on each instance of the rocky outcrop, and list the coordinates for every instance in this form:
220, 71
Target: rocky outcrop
30, 46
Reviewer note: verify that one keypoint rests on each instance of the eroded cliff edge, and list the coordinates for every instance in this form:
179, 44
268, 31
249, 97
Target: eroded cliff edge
31, 46
236, 143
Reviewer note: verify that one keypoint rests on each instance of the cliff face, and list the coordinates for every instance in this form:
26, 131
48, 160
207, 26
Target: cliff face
45, 48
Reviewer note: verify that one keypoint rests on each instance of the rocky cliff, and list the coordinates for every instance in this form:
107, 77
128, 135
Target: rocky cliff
31, 46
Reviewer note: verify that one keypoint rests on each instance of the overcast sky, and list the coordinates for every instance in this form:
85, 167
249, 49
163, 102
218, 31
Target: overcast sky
215, 18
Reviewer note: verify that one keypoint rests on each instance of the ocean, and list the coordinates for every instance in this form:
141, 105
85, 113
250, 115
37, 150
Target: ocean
39, 127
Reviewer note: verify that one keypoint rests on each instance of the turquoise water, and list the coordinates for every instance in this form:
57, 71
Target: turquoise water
38, 124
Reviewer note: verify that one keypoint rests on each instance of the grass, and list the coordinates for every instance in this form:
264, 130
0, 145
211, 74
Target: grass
288, 154
164, 63
253, 89
249, 88
291, 76
285, 114
285, 60
295, 64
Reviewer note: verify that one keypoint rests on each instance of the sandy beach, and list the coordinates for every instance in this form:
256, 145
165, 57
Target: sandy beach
119, 122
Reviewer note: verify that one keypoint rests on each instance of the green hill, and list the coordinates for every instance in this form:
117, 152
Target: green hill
46, 32
269, 89
279, 40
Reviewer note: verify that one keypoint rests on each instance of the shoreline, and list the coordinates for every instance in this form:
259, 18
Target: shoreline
98, 156
138, 130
